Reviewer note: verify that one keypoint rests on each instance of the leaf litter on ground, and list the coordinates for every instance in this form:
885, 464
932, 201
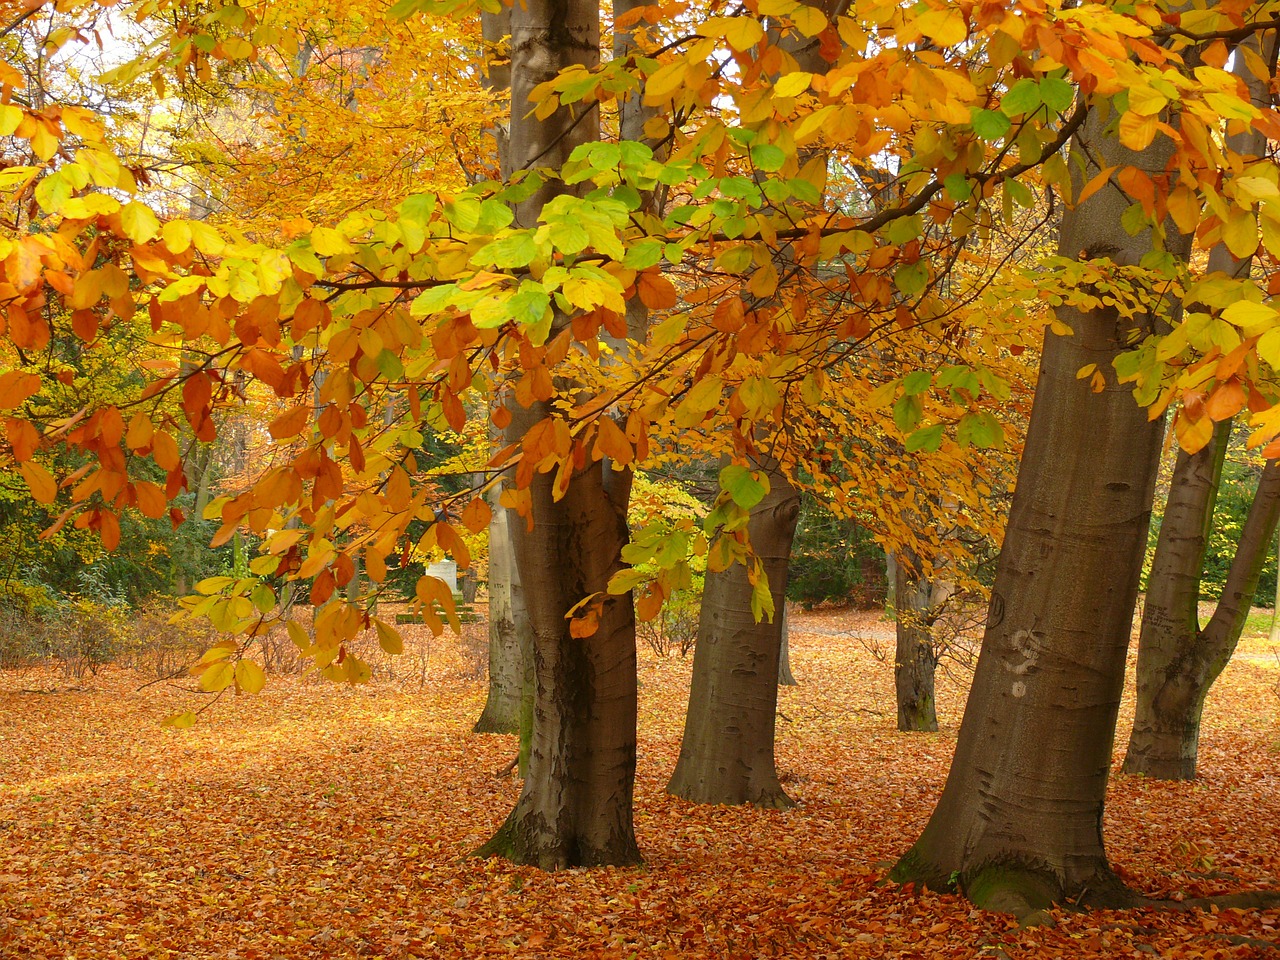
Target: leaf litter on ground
321, 821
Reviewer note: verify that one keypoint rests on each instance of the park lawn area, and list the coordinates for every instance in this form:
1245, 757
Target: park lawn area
320, 821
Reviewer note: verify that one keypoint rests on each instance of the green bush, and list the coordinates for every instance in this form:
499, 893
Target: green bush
834, 559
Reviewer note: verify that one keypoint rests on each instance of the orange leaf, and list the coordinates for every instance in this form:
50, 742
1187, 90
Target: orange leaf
151, 499
15, 387
656, 291
613, 443
43, 487
476, 515
290, 423
23, 437
164, 450
1225, 401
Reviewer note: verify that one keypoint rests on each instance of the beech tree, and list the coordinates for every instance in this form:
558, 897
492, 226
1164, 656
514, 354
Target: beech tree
1018, 825
381, 296
1178, 660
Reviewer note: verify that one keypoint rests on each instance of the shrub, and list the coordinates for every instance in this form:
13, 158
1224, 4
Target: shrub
675, 628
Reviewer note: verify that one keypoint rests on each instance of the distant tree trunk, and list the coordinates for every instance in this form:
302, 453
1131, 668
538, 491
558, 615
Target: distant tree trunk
575, 808
1019, 822
785, 677
1275, 604
726, 755
507, 622
510, 640
1177, 661
891, 583
916, 656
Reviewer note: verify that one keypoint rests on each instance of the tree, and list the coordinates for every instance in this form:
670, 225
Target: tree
575, 808
726, 755
1018, 825
1178, 660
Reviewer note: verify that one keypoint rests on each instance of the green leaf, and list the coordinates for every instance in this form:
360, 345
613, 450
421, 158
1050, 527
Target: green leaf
906, 412
958, 187
517, 250
767, 157
926, 438
1134, 220
912, 278
980, 430
742, 486
917, 381
990, 125
1022, 97
1057, 94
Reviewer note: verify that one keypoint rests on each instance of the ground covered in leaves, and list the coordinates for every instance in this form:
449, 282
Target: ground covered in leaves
315, 821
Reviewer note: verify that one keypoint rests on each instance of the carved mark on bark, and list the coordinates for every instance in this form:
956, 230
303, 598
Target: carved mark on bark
1027, 645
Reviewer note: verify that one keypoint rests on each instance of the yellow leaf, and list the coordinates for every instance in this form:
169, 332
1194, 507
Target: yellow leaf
330, 243
219, 676
298, 634
179, 721
1240, 233
1193, 435
138, 222
659, 87
809, 20
389, 638
1137, 131
177, 235
743, 33
249, 677
944, 27
10, 117
793, 84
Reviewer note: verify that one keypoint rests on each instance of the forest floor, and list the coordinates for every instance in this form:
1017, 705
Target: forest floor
320, 821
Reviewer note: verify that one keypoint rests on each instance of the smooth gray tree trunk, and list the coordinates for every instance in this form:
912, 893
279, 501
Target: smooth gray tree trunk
575, 808
1019, 822
726, 755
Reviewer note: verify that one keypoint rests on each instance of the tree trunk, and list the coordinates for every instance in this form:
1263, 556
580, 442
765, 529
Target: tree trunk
575, 808
1019, 822
1177, 661
915, 657
727, 752
508, 621
576, 805
785, 677
1275, 603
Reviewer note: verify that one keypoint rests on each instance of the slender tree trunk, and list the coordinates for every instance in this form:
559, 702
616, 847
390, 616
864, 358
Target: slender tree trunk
1019, 822
508, 625
891, 583
727, 752
1275, 604
510, 639
726, 755
915, 657
785, 677
1178, 662
576, 805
